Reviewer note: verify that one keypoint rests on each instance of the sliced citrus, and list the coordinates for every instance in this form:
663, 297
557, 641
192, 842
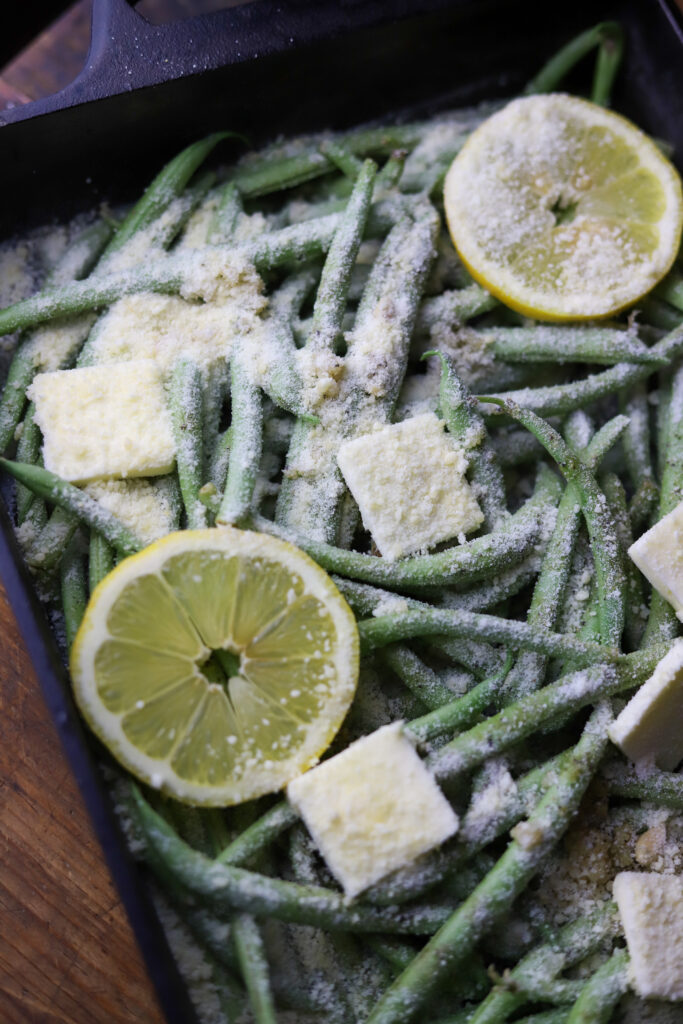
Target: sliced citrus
562, 209
216, 665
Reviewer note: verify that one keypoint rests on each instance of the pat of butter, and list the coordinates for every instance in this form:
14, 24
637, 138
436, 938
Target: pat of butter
104, 422
651, 911
409, 482
659, 556
651, 725
373, 808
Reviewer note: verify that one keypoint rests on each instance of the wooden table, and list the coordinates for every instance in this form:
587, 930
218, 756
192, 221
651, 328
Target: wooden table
67, 954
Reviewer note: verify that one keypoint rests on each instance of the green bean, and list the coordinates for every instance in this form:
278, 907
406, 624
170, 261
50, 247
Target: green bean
493, 896
100, 559
636, 439
470, 562
259, 835
569, 344
388, 629
454, 307
568, 694
341, 158
467, 428
246, 442
664, 789
604, 541
268, 174
186, 417
56, 491
330, 303
254, 967
552, 581
642, 505
571, 944
460, 713
552, 73
515, 447
28, 450
659, 314
218, 467
563, 398
45, 550
475, 833
671, 290
662, 622
390, 174
607, 64
233, 889
602, 991
635, 612
228, 210
418, 677
73, 589
370, 384
170, 181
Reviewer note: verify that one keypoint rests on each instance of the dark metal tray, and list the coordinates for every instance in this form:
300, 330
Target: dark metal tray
268, 69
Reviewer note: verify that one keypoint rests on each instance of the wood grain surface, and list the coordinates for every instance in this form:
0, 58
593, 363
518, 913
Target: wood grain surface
67, 954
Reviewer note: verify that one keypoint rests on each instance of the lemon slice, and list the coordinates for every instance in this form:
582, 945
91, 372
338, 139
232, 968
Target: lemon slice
562, 209
216, 665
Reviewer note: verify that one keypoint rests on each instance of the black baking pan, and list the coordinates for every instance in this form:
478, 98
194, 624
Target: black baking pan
266, 69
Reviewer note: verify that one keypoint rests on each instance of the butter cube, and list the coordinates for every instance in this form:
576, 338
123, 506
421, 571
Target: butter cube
651, 911
651, 725
659, 556
409, 482
373, 808
103, 422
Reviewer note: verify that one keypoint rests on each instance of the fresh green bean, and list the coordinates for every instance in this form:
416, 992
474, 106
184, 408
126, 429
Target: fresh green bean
254, 967
493, 896
569, 693
170, 181
605, 544
246, 442
186, 417
475, 560
572, 943
259, 835
602, 991
552, 73
56, 491
73, 589
418, 677
387, 629
233, 889
564, 398
467, 428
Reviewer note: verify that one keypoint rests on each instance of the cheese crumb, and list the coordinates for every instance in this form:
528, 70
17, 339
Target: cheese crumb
649, 727
659, 556
409, 481
651, 911
373, 808
147, 507
102, 422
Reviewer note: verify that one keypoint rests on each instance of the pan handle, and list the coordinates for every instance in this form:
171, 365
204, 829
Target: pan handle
127, 52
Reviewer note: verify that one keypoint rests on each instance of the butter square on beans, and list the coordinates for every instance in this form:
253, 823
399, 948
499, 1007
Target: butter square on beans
104, 422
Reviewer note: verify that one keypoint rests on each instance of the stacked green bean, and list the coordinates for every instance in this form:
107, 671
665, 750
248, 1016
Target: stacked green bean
505, 655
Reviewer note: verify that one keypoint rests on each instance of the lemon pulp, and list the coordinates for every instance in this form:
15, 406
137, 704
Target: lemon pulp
562, 209
216, 664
